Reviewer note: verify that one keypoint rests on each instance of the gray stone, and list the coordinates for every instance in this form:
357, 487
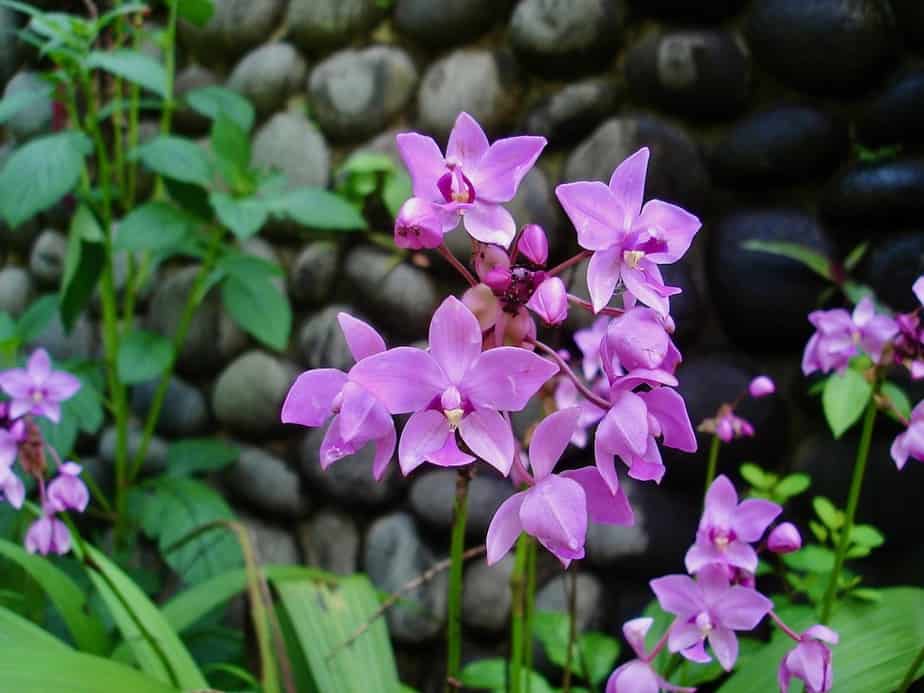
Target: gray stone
155, 460
268, 75
9, 43
449, 22
314, 272
432, 496
78, 343
699, 73
877, 195
321, 25
330, 541
894, 116
482, 83
535, 203
36, 117
46, 261
184, 411
249, 392
234, 27
567, 36
15, 290
321, 342
892, 268
589, 605
289, 143
573, 111
401, 297
266, 483
356, 93
272, 545
350, 479
394, 556
825, 46
676, 171
188, 79
487, 596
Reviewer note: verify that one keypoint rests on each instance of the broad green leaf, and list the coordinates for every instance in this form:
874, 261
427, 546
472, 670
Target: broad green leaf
844, 399
37, 316
244, 216
810, 559
812, 259
318, 209
143, 356
177, 158
877, 645
231, 144
156, 647
214, 102
156, 226
196, 11
248, 267
900, 404
64, 594
866, 535
492, 674
86, 406
397, 189
82, 265
551, 629
131, 65
16, 631
598, 653
61, 436
827, 513
40, 173
367, 162
259, 307
791, 485
756, 476
16, 102
188, 457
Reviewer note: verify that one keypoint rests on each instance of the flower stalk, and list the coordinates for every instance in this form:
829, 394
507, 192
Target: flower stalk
713, 462
454, 627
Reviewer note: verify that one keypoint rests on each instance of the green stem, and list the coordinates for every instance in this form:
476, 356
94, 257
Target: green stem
518, 613
572, 631
530, 610
454, 627
713, 463
912, 672
853, 499
169, 67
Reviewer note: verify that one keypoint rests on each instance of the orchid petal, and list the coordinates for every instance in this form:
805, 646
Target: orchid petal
455, 338
671, 224
384, 451
596, 213
554, 511
678, 595
603, 272
362, 416
605, 464
683, 636
498, 175
489, 223
741, 555
550, 440
490, 437
334, 446
636, 676
467, 143
424, 433
505, 528
506, 378
404, 379
752, 518
725, 646
361, 337
603, 505
424, 162
450, 455
311, 397
625, 426
628, 182
668, 407
741, 608
39, 366
640, 282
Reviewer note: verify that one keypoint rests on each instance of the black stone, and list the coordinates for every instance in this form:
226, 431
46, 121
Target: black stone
763, 299
687, 11
910, 15
896, 114
877, 196
893, 266
824, 46
572, 112
702, 73
687, 307
783, 145
449, 22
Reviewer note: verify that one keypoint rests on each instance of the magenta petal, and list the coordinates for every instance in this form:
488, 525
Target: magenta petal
361, 338
404, 379
467, 143
633, 677
550, 439
605, 464
504, 529
384, 450
497, 176
671, 224
18, 407
489, 436
741, 608
683, 636
39, 366
721, 502
668, 407
640, 282
424, 433
741, 555
700, 555
603, 272
450, 455
61, 386
489, 223
753, 517
555, 512
424, 163
678, 595
628, 182
603, 505
713, 581
455, 338
362, 416
634, 632
506, 378
16, 383
40, 535
918, 289
725, 646
334, 446
647, 467
48, 408
625, 426
12, 488
311, 396
596, 213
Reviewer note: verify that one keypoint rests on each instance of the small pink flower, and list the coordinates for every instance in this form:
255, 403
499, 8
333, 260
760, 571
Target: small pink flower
37, 389
67, 491
761, 386
911, 442
534, 244
839, 336
550, 301
637, 675
48, 535
419, 224
784, 538
810, 661
588, 341
11, 487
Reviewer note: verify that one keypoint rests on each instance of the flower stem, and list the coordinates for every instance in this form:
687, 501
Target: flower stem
518, 613
588, 306
783, 627
454, 628
459, 267
530, 610
853, 499
572, 631
558, 269
566, 369
713, 462
912, 672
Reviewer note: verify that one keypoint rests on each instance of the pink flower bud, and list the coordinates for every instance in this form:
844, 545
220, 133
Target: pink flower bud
534, 244
498, 279
488, 258
418, 225
784, 538
550, 301
483, 303
761, 386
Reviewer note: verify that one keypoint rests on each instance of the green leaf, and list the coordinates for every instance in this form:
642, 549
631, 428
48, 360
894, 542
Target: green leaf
215, 102
866, 535
551, 629
187, 457
367, 162
86, 406
844, 399
82, 265
18, 101
156, 226
812, 259
196, 11
900, 404
318, 209
810, 559
492, 673
397, 189
819, 530
259, 307
156, 647
37, 316
16, 631
827, 513
791, 485
853, 258
877, 644
598, 653
230, 144
143, 356
244, 216
40, 173
177, 158
755, 476
131, 65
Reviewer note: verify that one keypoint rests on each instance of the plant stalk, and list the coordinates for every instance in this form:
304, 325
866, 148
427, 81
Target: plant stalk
572, 630
530, 610
713, 463
454, 626
517, 614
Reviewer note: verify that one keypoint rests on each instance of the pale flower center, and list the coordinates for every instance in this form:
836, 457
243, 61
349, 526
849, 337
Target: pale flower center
451, 403
633, 257
704, 623
38, 396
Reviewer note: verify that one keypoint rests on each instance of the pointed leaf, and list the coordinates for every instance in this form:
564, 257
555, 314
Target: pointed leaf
812, 259
131, 65
844, 399
143, 356
177, 158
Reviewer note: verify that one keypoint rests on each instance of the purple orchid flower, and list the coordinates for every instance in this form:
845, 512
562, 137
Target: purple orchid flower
638, 341
637, 675
709, 609
419, 225
728, 528
910, 443
11, 487
533, 244
785, 538
810, 661
37, 389
67, 491
550, 301
629, 241
358, 417
556, 507
761, 386
728, 426
567, 395
454, 386
839, 336
10, 440
473, 180
588, 341
48, 535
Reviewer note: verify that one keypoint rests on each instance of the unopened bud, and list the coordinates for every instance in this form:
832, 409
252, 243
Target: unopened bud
534, 244
498, 279
761, 386
418, 225
490, 257
784, 538
550, 301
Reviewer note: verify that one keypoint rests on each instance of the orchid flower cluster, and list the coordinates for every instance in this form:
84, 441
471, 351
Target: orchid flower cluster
718, 597
483, 359
841, 336
726, 425
38, 391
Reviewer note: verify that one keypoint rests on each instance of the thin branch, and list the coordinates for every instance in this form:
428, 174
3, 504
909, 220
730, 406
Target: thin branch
566, 369
454, 261
558, 269
588, 306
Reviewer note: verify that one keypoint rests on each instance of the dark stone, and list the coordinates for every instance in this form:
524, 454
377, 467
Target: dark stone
9, 43
432, 495
15, 290
266, 483
676, 171
272, 545
892, 268
450, 22
184, 412
535, 203
355, 93
35, 118
702, 73
824, 46
688, 11
331, 542
895, 116
235, 27
590, 603
564, 37
268, 75
483, 83
155, 461
321, 341
910, 15
248, 394
289, 143
763, 299
321, 25
877, 196
80, 342
780, 146
46, 261
573, 111
687, 307
314, 272
487, 595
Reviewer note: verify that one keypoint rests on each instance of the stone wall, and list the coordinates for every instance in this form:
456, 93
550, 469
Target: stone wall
773, 119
